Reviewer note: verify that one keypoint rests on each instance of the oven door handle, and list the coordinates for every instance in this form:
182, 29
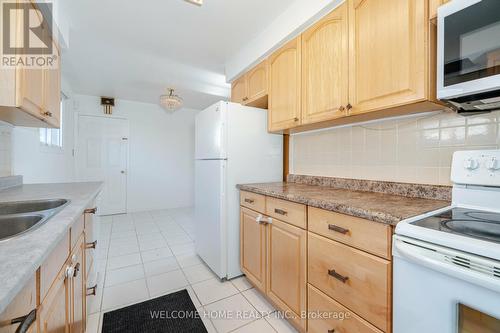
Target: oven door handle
429, 258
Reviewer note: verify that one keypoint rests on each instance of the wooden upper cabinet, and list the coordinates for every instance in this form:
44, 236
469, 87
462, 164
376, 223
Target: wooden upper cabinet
285, 86
52, 94
257, 82
325, 58
388, 46
253, 248
239, 90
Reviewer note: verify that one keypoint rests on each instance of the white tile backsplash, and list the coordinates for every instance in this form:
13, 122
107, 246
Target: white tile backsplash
416, 149
5, 150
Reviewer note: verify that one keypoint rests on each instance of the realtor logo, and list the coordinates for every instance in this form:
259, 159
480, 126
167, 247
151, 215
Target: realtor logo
27, 31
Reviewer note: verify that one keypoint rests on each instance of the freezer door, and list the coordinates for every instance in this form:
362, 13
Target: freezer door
211, 132
210, 214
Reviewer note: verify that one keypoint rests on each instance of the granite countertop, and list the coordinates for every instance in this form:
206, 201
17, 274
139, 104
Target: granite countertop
375, 206
21, 257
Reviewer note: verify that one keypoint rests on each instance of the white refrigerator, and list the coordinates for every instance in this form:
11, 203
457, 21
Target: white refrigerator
232, 147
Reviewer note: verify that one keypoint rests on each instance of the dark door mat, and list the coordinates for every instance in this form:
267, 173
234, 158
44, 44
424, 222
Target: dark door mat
171, 313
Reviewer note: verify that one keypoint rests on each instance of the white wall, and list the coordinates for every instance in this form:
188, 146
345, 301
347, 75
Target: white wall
161, 152
295, 19
42, 164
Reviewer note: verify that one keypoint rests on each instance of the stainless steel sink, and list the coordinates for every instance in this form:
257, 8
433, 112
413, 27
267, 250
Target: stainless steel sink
12, 225
21, 207
19, 217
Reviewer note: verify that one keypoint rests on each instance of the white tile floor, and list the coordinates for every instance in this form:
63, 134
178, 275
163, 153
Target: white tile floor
149, 254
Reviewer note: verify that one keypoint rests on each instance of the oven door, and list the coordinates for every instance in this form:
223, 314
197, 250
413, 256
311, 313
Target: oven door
435, 292
468, 48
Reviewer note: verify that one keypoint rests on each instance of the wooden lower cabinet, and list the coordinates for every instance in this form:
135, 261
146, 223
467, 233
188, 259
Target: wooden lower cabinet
253, 248
78, 288
54, 314
327, 315
23, 304
287, 269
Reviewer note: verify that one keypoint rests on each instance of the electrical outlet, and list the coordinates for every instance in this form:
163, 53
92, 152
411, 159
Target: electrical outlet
195, 2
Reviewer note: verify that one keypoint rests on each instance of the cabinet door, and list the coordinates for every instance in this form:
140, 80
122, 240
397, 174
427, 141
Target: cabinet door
325, 54
239, 90
257, 81
23, 304
285, 87
52, 94
78, 289
286, 269
253, 248
55, 309
29, 82
388, 53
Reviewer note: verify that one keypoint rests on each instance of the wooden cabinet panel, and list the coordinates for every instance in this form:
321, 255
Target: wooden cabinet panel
341, 319
253, 201
257, 81
78, 288
358, 280
23, 304
285, 86
76, 231
52, 93
360, 233
287, 211
253, 248
287, 269
434, 5
388, 47
325, 57
51, 267
55, 309
239, 90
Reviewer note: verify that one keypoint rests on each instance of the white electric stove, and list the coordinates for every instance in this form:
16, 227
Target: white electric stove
447, 263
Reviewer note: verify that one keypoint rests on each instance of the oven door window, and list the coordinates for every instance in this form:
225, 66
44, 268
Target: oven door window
472, 43
473, 321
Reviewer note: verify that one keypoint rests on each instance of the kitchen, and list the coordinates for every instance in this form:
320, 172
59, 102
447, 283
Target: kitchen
310, 166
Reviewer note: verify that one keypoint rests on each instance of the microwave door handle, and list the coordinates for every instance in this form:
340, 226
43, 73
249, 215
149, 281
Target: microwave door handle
425, 257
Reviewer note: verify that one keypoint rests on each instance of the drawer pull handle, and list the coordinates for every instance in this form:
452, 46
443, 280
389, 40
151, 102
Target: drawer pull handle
331, 331
91, 210
280, 211
336, 275
338, 229
92, 291
77, 270
24, 322
92, 245
250, 201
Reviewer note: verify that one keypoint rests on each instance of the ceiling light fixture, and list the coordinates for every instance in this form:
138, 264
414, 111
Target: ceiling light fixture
170, 101
195, 2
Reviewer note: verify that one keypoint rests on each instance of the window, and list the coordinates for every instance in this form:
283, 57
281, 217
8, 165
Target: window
52, 137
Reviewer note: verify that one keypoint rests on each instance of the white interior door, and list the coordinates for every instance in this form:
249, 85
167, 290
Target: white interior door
101, 155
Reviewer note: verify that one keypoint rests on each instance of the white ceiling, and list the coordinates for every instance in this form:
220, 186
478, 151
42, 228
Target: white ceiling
135, 49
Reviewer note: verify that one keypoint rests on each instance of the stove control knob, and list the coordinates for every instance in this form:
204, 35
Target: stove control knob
471, 164
493, 164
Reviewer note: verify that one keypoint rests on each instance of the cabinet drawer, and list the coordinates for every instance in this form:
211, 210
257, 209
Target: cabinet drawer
253, 201
287, 211
77, 230
369, 236
51, 267
326, 315
358, 280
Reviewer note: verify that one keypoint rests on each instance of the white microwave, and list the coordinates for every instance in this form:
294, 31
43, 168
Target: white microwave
468, 59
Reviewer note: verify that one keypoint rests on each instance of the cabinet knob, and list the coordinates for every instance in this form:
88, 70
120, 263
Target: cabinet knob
92, 245
295, 119
47, 114
90, 210
341, 108
76, 270
349, 107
